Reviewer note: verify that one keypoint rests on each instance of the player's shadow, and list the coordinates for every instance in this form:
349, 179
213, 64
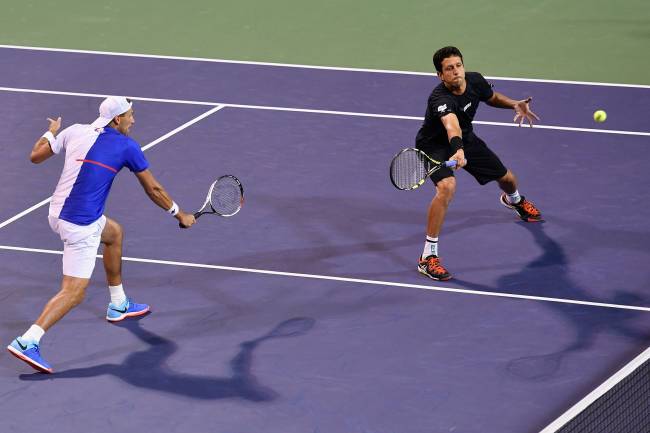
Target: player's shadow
343, 228
547, 276
148, 369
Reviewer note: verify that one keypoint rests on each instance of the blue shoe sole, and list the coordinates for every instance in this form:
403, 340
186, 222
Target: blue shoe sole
125, 315
35, 365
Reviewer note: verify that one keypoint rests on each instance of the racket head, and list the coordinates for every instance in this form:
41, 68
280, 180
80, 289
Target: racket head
411, 167
225, 196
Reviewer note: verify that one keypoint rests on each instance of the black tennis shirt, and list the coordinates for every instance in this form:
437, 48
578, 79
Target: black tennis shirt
442, 102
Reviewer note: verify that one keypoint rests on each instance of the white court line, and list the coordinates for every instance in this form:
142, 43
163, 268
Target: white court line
148, 146
349, 280
25, 212
316, 111
597, 393
183, 126
99, 95
293, 65
566, 128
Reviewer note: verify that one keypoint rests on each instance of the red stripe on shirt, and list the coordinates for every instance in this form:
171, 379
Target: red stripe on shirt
98, 163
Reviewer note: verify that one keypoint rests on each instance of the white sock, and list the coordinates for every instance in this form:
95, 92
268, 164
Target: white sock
430, 247
513, 198
117, 295
33, 335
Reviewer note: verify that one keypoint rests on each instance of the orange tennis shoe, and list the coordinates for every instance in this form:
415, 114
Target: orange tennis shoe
432, 268
525, 209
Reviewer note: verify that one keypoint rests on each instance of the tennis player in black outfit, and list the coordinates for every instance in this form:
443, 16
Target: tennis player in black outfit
447, 134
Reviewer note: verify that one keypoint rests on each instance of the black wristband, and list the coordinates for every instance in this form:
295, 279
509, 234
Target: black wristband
456, 143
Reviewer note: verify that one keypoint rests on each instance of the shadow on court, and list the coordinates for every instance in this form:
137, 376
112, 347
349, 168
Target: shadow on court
547, 276
147, 368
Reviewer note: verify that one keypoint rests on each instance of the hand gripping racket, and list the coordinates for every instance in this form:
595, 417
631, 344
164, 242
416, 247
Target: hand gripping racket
225, 197
411, 167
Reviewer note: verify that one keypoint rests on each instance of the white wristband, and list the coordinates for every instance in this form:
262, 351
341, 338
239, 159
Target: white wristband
174, 209
49, 136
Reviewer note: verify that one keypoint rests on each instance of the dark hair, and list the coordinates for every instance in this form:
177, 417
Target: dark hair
442, 54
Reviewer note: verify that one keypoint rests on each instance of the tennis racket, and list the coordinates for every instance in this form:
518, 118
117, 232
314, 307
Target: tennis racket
225, 197
411, 167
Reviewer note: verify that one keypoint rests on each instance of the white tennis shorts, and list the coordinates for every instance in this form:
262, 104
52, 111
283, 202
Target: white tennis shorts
80, 245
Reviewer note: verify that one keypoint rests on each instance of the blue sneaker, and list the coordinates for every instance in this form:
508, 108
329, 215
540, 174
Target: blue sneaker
29, 353
127, 309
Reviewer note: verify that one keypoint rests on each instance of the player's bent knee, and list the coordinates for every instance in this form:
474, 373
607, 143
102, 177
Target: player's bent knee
446, 188
112, 232
74, 289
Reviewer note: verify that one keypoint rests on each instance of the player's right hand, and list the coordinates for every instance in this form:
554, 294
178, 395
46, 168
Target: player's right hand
185, 220
459, 157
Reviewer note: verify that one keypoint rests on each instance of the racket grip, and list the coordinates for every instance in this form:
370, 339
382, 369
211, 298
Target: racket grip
451, 164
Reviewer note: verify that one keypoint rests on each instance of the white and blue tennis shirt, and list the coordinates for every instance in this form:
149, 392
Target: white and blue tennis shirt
93, 157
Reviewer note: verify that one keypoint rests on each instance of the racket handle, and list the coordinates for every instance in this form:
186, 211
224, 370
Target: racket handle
451, 164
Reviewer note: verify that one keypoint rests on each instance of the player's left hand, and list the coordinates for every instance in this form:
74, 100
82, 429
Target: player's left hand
522, 111
55, 125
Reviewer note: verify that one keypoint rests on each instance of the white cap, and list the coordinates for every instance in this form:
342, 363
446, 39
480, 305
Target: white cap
109, 108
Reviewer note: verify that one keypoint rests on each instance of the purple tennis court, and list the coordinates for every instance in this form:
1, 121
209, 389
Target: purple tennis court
305, 311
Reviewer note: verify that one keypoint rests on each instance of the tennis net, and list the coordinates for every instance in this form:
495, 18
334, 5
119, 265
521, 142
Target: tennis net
620, 405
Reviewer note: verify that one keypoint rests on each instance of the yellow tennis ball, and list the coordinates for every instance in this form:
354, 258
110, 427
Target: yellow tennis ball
600, 116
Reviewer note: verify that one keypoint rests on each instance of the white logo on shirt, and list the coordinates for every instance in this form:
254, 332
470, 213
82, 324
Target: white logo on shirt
467, 106
442, 108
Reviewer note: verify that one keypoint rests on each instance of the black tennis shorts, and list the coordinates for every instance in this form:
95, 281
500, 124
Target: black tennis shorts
482, 163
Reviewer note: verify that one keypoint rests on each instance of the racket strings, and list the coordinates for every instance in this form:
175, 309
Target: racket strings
409, 168
226, 197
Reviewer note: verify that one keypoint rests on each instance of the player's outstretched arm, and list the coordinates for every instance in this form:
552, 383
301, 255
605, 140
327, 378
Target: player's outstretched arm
455, 136
42, 149
159, 196
522, 107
